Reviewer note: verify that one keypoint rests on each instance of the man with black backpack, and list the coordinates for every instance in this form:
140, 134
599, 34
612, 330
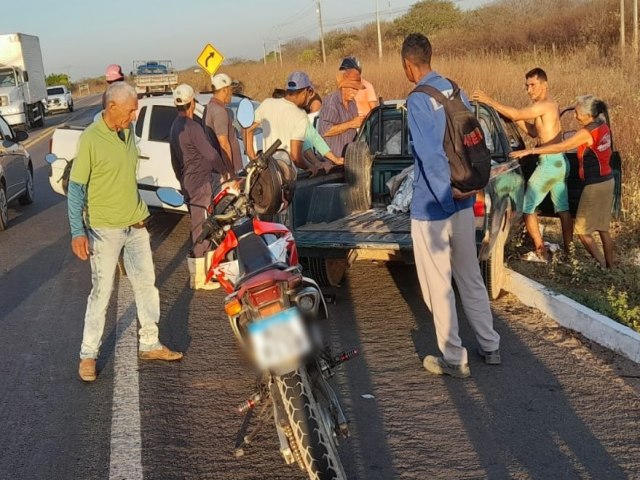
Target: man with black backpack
442, 226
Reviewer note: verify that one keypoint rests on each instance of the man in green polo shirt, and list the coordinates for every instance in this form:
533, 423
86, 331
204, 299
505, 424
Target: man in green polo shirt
103, 186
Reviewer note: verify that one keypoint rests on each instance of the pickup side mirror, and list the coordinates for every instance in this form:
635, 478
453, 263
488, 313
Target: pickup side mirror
25, 76
170, 196
245, 115
21, 136
50, 158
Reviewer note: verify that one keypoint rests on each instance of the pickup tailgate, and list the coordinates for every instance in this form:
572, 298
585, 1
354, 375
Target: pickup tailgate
64, 144
372, 229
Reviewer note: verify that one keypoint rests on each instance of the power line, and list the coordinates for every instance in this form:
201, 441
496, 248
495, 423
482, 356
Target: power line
296, 16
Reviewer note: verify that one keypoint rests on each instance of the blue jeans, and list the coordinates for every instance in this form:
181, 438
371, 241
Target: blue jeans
106, 245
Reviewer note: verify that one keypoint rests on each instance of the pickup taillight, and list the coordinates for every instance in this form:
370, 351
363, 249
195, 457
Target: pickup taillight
479, 206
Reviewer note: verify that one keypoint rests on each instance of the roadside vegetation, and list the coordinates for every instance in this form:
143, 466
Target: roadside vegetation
575, 41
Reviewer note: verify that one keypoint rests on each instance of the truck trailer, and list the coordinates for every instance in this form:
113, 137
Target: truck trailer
23, 90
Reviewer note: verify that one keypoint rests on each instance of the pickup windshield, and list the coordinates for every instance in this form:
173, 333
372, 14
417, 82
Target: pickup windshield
55, 91
7, 78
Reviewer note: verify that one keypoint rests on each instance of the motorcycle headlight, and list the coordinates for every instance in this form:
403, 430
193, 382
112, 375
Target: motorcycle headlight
306, 303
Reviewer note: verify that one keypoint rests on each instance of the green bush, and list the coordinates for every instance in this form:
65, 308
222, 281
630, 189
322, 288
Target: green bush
428, 17
58, 79
309, 56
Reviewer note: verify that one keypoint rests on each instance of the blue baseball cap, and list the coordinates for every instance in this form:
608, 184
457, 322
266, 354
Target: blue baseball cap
349, 63
298, 81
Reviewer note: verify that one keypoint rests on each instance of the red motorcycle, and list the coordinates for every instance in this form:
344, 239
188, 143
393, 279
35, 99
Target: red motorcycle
274, 312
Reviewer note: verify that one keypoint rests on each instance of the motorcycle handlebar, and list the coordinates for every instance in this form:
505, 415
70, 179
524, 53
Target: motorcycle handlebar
272, 149
207, 229
260, 160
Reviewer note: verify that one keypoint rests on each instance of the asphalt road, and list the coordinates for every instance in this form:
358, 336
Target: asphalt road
558, 408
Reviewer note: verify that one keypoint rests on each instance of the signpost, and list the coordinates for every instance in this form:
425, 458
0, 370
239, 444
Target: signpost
210, 59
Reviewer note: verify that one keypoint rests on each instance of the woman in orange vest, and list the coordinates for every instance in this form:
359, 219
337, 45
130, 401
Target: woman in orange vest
593, 146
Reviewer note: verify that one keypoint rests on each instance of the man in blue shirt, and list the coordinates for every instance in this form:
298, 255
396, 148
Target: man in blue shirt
442, 226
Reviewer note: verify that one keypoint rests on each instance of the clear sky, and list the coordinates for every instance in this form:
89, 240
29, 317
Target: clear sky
81, 37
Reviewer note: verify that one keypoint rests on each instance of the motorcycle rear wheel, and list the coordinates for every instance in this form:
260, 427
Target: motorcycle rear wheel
314, 440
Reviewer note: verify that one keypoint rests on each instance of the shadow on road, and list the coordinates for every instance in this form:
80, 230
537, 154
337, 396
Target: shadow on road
174, 324
516, 414
366, 454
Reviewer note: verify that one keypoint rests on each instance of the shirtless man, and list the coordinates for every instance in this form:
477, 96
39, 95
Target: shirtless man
540, 120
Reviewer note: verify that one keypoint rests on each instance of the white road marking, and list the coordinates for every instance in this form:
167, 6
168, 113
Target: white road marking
126, 438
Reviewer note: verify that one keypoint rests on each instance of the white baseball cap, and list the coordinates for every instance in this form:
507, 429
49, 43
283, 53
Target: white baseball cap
220, 81
183, 94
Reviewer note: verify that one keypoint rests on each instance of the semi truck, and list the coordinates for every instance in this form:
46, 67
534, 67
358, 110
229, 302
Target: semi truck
154, 77
23, 90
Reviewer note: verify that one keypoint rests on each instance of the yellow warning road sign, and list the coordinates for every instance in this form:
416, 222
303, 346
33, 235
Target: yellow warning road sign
210, 59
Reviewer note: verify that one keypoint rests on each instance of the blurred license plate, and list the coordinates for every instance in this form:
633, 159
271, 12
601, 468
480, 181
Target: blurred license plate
279, 339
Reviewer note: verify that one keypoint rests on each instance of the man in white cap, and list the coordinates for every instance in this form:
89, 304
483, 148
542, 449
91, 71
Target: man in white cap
284, 119
194, 162
217, 122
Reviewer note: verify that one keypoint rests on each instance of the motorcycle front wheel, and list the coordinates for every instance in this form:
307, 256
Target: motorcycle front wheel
314, 440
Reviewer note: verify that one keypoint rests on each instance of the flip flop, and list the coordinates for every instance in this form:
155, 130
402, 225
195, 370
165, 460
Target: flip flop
533, 257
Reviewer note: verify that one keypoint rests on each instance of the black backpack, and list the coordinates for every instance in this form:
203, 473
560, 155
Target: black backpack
464, 144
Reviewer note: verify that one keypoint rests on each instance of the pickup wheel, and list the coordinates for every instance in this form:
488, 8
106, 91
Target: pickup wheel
357, 173
328, 272
4, 208
493, 270
27, 197
70, 107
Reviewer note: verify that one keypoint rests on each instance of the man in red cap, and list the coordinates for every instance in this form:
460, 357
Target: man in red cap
113, 73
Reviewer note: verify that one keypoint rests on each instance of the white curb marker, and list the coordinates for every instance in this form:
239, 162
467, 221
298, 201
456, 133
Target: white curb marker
570, 314
126, 438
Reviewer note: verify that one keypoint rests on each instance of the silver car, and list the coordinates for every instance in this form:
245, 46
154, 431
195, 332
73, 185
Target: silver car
16, 171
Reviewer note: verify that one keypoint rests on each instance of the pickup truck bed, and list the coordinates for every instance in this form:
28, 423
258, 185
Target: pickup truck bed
343, 216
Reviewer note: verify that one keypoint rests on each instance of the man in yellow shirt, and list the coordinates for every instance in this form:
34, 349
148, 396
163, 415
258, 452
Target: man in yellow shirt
103, 185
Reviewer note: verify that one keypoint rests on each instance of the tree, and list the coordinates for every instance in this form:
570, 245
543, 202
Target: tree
58, 79
428, 17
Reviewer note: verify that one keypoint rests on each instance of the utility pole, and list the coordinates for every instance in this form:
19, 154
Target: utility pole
622, 39
635, 28
280, 50
264, 54
379, 34
319, 10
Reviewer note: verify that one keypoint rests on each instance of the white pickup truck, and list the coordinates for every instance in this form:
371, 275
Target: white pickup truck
59, 98
155, 116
